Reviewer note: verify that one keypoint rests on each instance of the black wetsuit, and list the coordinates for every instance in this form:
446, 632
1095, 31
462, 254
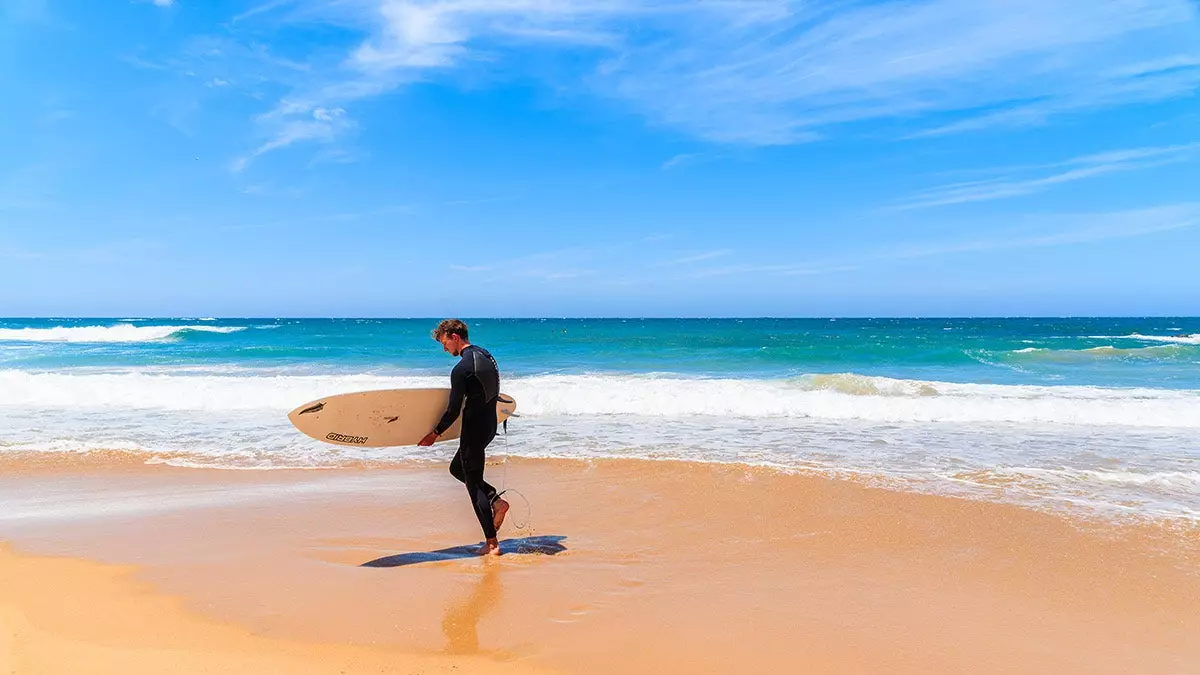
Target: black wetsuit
476, 378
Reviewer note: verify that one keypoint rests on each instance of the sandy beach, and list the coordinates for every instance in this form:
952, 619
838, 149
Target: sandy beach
620, 566
802, 337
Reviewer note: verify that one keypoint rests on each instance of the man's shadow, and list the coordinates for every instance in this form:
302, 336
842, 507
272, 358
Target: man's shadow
543, 545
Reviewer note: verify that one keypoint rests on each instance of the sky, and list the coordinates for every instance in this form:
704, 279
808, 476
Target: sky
599, 158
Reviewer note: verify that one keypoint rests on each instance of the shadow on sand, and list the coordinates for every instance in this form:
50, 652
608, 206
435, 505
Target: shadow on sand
544, 545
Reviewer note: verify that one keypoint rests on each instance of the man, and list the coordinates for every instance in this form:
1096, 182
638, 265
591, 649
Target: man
476, 378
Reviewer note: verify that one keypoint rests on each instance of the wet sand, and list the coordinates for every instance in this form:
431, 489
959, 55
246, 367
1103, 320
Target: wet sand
623, 566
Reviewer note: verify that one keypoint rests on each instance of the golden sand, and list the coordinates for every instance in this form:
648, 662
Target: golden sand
639, 567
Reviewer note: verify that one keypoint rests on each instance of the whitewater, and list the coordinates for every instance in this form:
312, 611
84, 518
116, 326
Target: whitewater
1100, 416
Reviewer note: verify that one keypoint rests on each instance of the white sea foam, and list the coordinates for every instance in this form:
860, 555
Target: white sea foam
121, 332
844, 396
1193, 339
1189, 480
1144, 491
1153, 352
1110, 450
1178, 339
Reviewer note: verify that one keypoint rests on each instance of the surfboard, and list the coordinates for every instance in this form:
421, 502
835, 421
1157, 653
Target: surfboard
382, 418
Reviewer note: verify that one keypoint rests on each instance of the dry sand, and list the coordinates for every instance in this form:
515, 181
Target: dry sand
627, 566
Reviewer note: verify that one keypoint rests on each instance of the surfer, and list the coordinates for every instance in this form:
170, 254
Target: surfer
477, 379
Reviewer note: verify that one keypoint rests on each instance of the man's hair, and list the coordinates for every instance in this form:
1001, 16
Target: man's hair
450, 327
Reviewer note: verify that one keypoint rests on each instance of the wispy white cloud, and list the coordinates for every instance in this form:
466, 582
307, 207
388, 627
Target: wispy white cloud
225, 61
263, 8
813, 271
320, 124
394, 210
1158, 80
832, 63
206, 65
554, 265
268, 191
682, 159
483, 200
163, 3
734, 270
786, 270
144, 64
690, 159
627, 261
694, 258
558, 274
565, 36
583, 261
1024, 180
1060, 230
535, 272
1035, 231
772, 71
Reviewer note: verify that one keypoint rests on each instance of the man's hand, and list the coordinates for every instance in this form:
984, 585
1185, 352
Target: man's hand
429, 439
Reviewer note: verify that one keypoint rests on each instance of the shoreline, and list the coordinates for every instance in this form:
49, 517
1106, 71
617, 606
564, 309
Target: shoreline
981, 488
636, 566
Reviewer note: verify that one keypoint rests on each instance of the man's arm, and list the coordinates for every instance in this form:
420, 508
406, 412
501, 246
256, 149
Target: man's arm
458, 388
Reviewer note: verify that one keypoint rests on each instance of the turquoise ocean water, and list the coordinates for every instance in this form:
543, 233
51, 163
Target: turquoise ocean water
1100, 415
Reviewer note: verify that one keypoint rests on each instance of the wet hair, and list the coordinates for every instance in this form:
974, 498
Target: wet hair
450, 327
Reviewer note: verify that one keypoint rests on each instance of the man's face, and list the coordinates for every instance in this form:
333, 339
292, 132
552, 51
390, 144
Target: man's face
452, 344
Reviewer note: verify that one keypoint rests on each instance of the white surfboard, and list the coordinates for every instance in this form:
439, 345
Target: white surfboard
382, 418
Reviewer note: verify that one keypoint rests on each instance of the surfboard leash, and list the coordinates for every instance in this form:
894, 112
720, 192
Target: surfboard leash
504, 484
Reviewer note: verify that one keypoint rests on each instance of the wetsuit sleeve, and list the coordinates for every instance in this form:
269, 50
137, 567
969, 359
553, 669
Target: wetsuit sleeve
458, 388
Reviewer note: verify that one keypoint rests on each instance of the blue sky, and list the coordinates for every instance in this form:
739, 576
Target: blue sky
599, 157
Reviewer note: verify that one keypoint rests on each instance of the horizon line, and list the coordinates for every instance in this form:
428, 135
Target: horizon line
600, 318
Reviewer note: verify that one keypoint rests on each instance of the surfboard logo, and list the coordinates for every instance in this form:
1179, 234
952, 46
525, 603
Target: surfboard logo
314, 408
342, 438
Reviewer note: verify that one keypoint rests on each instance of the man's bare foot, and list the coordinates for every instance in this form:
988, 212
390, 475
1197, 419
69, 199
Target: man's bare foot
490, 547
499, 510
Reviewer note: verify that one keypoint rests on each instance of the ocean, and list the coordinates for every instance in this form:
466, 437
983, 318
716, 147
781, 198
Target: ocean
1097, 416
